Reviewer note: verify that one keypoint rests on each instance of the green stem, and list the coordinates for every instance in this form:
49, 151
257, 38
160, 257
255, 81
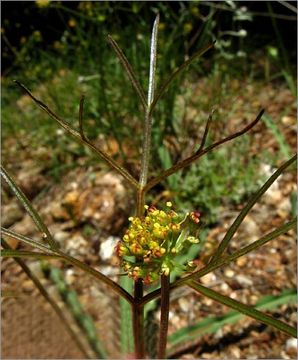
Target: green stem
148, 113
140, 202
164, 315
138, 320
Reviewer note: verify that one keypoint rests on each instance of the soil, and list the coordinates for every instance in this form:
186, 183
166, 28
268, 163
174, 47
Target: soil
87, 212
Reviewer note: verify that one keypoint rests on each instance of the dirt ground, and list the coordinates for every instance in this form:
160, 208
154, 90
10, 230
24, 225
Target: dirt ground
87, 211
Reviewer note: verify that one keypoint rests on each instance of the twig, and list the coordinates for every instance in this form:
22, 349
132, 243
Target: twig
186, 162
81, 111
77, 135
164, 315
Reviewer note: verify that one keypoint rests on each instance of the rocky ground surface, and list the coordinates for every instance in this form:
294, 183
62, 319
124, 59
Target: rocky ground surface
87, 213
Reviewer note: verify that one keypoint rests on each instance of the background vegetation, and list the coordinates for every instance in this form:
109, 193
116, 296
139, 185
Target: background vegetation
59, 50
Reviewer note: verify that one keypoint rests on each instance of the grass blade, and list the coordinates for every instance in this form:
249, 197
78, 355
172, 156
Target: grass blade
213, 323
244, 309
46, 235
281, 140
230, 233
127, 346
128, 68
84, 321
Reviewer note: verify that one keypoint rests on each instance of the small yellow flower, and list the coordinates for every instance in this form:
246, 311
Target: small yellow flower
153, 241
187, 28
72, 22
161, 26
42, 3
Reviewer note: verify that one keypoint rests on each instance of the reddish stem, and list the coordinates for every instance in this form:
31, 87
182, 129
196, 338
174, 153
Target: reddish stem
138, 320
164, 316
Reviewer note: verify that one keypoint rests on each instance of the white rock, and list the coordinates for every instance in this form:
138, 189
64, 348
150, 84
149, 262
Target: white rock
243, 280
107, 247
291, 344
184, 304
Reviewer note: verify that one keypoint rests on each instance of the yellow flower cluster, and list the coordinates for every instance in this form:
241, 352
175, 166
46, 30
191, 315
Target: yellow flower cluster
150, 244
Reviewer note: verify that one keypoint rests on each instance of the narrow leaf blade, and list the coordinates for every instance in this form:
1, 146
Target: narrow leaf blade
176, 72
230, 233
213, 323
244, 309
29, 208
24, 239
128, 68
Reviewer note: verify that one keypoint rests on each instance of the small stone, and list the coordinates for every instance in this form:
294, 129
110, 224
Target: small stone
241, 261
235, 351
107, 247
61, 236
243, 280
291, 344
70, 276
27, 285
229, 273
11, 213
224, 287
184, 304
288, 120
209, 278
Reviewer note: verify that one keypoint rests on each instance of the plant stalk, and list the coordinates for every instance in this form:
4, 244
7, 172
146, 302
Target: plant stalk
138, 320
164, 315
148, 113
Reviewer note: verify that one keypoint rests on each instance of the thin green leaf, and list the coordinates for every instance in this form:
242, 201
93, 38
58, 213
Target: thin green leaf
126, 319
175, 73
24, 239
226, 260
148, 118
27, 254
153, 56
214, 323
280, 138
244, 309
71, 260
198, 154
49, 299
109, 160
230, 233
46, 235
128, 68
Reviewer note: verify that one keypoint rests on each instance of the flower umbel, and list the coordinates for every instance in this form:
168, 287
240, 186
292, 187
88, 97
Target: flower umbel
150, 245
